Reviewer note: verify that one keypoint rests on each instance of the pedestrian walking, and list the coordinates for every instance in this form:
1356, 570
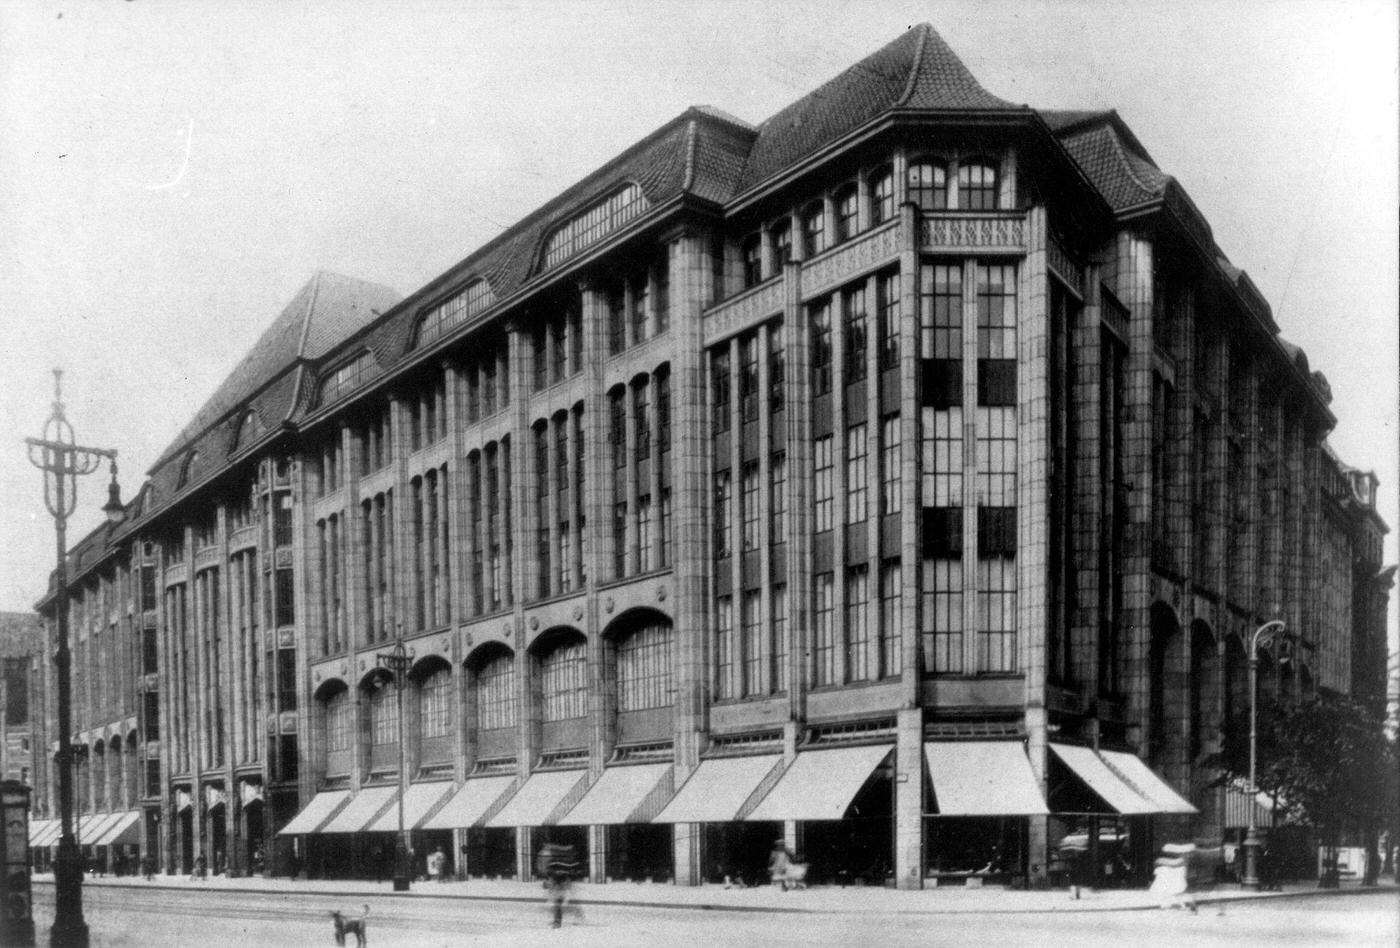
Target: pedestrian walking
201, 867
779, 860
293, 866
556, 863
436, 861
148, 867
1171, 881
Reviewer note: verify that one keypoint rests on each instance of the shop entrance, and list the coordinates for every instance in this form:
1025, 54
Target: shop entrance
738, 851
856, 850
640, 852
491, 853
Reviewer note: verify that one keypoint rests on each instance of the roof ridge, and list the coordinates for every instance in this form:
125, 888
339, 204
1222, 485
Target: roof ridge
924, 29
690, 139
1127, 165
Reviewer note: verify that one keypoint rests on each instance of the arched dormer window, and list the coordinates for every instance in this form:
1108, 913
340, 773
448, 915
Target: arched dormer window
454, 311
928, 185
977, 185
593, 224
347, 377
185, 467
250, 428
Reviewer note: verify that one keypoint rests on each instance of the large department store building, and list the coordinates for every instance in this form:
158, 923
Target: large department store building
898, 477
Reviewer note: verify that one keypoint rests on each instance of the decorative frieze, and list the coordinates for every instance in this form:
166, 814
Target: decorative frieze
982, 232
744, 311
838, 266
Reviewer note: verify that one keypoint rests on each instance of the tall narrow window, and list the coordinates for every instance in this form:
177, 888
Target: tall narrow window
751, 254
748, 377
663, 530
645, 539
996, 335
779, 677
616, 300
847, 213
781, 242
620, 539
661, 273
821, 348
617, 426
891, 641
749, 503
777, 366
724, 647
822, 484
813, 230
723, 518
778, 497
641, 421
857, 623
887, 300
856, 333
928, 185
857, 475
824, 631
719, 387
881, 196
558, 348
751, 624
891, 483
640, 307
564, 682
663, 410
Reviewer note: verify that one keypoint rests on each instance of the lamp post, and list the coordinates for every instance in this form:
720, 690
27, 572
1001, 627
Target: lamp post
62, 460
397, 663
1262, 636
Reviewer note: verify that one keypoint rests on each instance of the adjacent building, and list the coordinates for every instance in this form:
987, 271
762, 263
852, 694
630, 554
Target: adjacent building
900, 477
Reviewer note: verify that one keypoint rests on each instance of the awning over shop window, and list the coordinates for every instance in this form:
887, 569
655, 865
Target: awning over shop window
122, 831
1132, 768
86, 826
470, 803
322, 807
983, 778
820, 784
361, 810
37, 829
537, 798
717, 789
616, 795
1089, 767
49, 835
418, 802
92, 836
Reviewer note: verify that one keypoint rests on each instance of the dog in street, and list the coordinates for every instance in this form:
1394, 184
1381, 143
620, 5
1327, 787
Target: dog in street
346, 925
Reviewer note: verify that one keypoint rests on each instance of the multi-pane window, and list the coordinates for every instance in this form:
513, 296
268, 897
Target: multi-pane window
940, 311
857, 623
891, 641
663, 530
823, 488
778, 497
777, 366
996, 457
644, 669
942, 638
928, 185
617, 426
881, 196
748, 377
282, 522
564, 682
645, 538
781, 241
719, 387
821, 347
751, 639
996, 334
813, 230
857, 474
824, 630
942, 460
615, 298
495, 694
559, 348
891, 492
749, 503
856, 332
723, 501
619, 531
977, 186
594, 223
641, 421
724, 648
384, 714
339, 718
663, 410
847, 213
778, 603
751, 256
887, 302
435, 704
640, 306
996, 614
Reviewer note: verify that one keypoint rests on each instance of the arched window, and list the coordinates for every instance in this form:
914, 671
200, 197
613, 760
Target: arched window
644, 668
977, 186
435, 704
881, 196
780, 243
384, 713
751, 252
495, 693
928, 185
813, 229
564, 681
186, 467
847, 213
339, 715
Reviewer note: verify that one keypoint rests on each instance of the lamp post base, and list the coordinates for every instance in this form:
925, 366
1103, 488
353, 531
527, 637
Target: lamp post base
69, 929
1250, 848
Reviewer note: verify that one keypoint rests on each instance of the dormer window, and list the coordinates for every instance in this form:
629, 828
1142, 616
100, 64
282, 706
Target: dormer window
977, 185
454, 311
928, 185
186, 467
347, 377
594, 224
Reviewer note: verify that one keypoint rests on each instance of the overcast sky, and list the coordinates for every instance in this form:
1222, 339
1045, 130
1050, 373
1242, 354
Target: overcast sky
172, 172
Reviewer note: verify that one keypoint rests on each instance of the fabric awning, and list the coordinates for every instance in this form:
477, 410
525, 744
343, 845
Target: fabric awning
537, 798
1148, 784
50, 834
470, 803
983, 778
418, 802
820, 784
86, 825
361, 810
37, 829
321, 808
123, 830
1088, 766
717, 789
100, 825
616, 795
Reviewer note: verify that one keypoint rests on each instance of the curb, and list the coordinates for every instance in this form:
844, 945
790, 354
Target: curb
1208, 900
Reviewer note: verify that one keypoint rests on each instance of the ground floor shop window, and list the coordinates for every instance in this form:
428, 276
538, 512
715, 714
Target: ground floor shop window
990, 849
738, 852
490, 853
640, 852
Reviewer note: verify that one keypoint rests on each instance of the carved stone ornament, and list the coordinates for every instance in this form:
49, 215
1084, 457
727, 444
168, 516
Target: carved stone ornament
608, 604
661, 593
506, 630
578, 612
534, 623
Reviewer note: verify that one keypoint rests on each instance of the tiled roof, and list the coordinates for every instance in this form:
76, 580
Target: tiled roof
1061, 120
917, 70
1124, 176
325, 311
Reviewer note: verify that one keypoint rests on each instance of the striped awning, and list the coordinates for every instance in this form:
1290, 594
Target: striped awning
820, 784
361, 810
717, 790
37, 829
124, 830
469, 804
1146, 782
617, 795
418, 802
537, 798
316, 813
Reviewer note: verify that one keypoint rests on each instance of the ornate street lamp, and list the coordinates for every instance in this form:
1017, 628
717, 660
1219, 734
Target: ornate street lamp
1264, 637
62, 461
397, 663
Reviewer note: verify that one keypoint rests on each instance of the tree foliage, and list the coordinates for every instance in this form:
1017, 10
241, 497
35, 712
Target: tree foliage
1326, 761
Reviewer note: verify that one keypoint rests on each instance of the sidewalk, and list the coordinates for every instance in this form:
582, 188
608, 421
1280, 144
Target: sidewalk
820, 899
